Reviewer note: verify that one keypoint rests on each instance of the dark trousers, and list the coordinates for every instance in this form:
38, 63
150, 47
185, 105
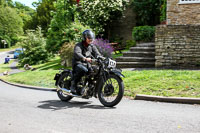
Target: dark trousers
79, 71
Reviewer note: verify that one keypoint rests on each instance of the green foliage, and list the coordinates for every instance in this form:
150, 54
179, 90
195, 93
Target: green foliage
148, 11
143, 33
26, 13
66, 53
42, 16
6, 3
97, 13
130, 43
63, 27
34, 45
74, 32
7, 39
163, 10
11, 25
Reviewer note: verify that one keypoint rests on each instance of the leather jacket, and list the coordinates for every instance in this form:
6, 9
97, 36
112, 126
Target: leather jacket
81, 52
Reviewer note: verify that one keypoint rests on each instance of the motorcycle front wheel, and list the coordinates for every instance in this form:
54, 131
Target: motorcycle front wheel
111, 91
64, 82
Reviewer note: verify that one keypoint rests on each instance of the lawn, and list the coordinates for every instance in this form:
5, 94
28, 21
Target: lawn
5, 67
181, 83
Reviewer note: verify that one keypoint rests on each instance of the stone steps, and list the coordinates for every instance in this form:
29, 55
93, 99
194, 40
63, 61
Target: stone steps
135, 59
138, 54
135, 64
141, 56
145, 45
144, 49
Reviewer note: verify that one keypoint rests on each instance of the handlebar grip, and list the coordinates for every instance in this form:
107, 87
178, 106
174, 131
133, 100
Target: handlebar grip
101, 57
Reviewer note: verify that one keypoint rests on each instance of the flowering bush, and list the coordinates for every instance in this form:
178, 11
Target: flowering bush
103, 46
96, 13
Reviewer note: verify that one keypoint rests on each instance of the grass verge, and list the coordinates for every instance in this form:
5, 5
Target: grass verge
5, 67
180, 83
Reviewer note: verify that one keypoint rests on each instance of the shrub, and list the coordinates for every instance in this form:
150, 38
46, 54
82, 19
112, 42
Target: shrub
103, 46
143, 33
74, 32
34, 45
130, 43
66, 53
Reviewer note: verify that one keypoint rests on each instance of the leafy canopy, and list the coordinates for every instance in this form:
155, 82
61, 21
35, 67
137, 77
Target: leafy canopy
42, 17
11, 24
62, 19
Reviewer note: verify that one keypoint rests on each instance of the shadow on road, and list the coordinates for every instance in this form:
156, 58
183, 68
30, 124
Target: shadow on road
58, 105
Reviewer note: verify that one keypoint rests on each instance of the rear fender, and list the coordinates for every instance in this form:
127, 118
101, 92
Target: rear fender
58, 75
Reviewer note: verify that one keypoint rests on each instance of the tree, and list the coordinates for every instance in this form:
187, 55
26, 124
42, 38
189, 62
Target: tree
2, 3
62, 19
26, 13
11, 24
42, 16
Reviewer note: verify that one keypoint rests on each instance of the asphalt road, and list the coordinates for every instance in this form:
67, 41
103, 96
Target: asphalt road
33, 111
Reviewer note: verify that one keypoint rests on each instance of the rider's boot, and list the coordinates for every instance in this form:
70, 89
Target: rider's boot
73, 87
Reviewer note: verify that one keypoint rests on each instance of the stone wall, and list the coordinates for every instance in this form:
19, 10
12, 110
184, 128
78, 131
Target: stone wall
177, 46
181, 14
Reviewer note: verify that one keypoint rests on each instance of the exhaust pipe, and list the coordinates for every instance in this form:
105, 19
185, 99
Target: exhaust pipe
68, 92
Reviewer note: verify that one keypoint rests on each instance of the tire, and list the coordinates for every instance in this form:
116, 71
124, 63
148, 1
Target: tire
64, 81
110, 90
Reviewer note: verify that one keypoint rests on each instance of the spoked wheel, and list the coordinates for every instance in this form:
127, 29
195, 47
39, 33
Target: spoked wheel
64, 82
112, 91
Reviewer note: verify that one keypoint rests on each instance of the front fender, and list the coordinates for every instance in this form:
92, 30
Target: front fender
117, 72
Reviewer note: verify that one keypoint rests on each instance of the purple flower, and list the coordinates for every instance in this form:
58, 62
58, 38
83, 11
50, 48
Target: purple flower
103, 46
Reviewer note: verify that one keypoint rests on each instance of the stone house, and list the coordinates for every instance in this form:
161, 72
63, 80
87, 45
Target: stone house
177, 43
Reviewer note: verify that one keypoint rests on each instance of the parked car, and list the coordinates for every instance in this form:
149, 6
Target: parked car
17, 52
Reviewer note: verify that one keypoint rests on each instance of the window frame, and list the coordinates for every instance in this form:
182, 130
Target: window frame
189, 1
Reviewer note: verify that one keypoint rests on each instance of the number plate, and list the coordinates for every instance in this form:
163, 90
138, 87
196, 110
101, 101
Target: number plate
111, 63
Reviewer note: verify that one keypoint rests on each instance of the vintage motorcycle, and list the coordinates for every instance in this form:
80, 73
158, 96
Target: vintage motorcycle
103, 81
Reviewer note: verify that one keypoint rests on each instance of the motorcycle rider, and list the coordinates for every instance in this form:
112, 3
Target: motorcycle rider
82, 57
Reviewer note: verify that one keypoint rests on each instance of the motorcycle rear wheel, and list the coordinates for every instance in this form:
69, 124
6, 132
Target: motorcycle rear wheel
64, 82
111, 92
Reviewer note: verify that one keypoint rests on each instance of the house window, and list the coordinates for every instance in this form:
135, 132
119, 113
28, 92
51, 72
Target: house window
188, 1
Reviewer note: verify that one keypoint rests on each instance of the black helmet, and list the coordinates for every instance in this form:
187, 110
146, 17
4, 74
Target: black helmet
88, 34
